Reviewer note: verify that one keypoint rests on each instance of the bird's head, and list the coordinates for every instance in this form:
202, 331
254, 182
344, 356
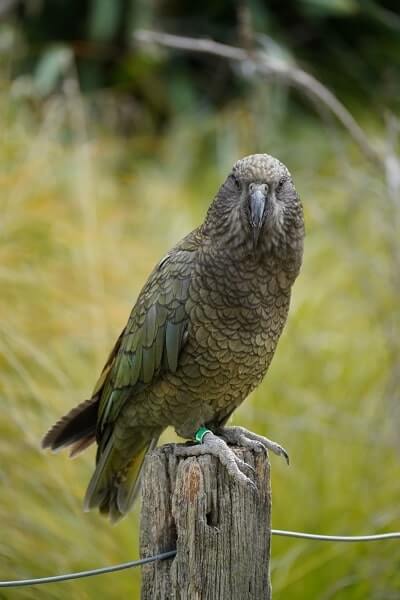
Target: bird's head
257, 208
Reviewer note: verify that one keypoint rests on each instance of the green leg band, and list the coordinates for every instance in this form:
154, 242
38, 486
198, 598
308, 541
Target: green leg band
200, 433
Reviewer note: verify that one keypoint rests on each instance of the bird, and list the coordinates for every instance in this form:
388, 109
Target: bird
199, 339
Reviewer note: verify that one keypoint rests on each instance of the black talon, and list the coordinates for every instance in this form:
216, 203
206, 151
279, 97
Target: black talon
244, 466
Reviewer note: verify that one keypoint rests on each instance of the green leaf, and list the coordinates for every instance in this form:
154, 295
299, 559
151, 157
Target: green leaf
52, 66
103, 20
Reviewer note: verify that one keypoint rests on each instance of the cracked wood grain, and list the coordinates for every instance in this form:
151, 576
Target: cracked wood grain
221, 529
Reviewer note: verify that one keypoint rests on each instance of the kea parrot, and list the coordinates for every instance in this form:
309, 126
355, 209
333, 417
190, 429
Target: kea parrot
199, 339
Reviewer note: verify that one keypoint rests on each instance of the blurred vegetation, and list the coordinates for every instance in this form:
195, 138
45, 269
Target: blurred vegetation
351, 45
86, 213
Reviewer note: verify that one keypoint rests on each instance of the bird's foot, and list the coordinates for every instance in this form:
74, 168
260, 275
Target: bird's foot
240, 436
212, 444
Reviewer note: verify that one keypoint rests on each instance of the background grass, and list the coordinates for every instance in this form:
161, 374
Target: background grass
84, 216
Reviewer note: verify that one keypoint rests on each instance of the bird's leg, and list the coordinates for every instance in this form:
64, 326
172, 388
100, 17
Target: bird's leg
212, 444
240, 436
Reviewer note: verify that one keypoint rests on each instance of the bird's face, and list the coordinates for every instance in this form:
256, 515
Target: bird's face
266, 198
257, 209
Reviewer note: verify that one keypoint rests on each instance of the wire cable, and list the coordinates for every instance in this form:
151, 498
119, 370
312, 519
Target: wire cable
377, 537
90, 573
171, 553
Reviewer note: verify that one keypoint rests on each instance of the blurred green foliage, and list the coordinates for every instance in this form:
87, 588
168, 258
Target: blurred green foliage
353, 46
85, 214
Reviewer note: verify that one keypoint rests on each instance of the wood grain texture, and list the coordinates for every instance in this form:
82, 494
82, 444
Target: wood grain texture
221, 530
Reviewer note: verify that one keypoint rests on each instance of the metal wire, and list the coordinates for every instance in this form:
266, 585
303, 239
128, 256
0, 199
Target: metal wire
395, 535
90, 573
171, 553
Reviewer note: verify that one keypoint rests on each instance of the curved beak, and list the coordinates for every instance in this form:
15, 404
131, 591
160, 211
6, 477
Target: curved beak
257, 205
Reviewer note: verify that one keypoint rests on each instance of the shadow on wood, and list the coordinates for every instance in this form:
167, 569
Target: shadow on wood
221, 529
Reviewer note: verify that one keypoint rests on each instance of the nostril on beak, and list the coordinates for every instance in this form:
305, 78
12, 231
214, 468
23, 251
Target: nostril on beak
263, 188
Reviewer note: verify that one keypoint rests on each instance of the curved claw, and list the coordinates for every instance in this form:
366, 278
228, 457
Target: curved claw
244, 466
248, 439
212, 444
285, 455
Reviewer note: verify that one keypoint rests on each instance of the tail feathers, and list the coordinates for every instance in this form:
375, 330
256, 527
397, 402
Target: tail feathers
130, 486
100, 481
81, 445
77, 428
116, 481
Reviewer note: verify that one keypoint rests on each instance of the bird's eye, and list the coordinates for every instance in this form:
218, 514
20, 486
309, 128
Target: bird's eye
236, 182
280, 184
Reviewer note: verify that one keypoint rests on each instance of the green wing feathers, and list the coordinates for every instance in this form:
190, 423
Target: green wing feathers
152, 340
116, 480
149, 345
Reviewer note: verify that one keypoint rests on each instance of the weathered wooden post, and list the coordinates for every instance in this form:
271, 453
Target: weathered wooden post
221, 530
